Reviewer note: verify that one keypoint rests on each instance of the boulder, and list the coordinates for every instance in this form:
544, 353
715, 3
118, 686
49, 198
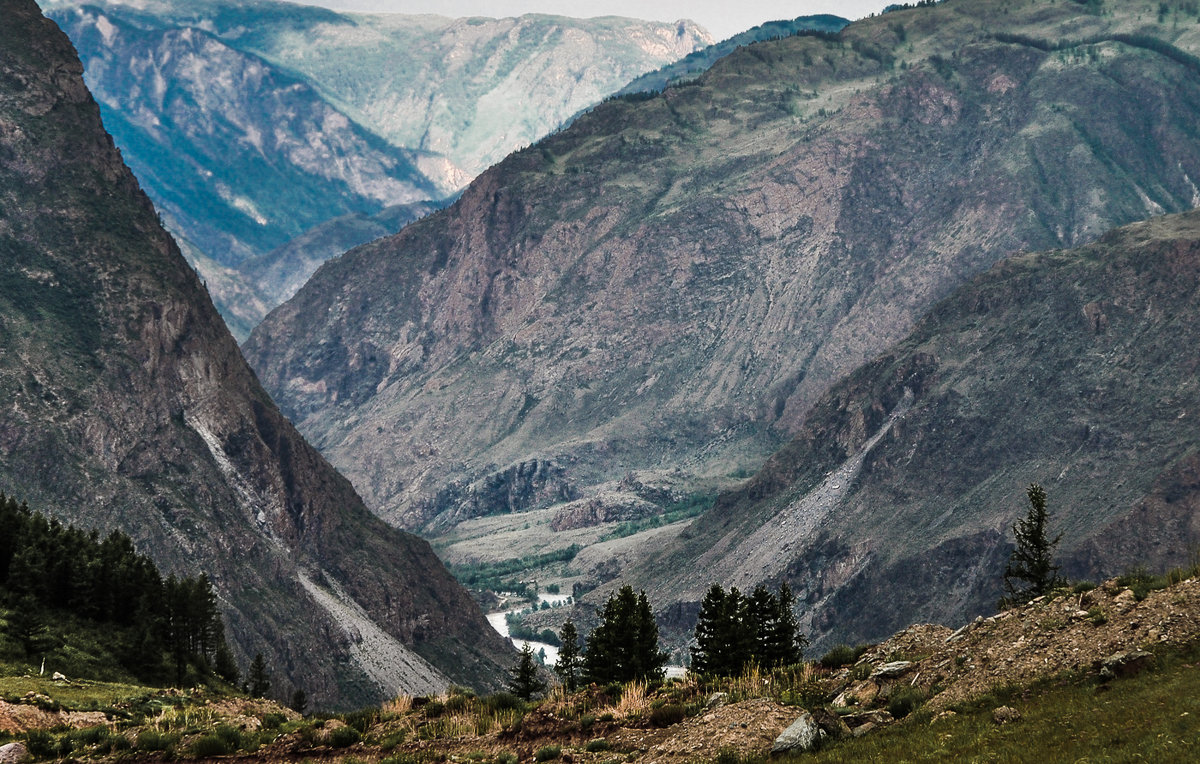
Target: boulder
863, 729
831, 724
716, 700
892, 670
1124, 665
803, 735
1006, 715
12, 753
878, 717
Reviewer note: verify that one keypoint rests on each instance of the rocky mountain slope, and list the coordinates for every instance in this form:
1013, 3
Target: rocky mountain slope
896, 500
694, 64
670, 285
129, 406
251, 123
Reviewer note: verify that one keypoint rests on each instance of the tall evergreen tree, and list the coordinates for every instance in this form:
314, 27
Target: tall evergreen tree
624, 646
1031, 571
259, 683
710, 654
569, 662
786, 644
524, 681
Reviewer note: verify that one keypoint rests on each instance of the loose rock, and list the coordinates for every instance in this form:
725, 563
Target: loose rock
803, 735
1006, 715
12, 753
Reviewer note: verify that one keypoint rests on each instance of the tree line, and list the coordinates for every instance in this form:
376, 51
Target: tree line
161, 629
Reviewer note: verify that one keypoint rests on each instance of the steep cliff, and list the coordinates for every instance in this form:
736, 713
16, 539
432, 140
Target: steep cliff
128, 405
895, 502
670, 284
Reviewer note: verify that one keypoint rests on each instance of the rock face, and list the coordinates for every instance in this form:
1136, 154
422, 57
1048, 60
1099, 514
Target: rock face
1003, 384
673, 281
129, 407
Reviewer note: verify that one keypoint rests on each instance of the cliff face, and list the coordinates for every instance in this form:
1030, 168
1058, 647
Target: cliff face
130, 407
670, 284
895, 502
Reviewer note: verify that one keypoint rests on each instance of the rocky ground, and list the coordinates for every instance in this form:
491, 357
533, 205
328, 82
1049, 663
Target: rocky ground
1098, 635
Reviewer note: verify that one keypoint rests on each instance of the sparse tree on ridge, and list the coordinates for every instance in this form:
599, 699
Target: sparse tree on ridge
525, 682
1031, 571
568, 664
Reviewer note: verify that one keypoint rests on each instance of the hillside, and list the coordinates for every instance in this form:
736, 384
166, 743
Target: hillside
129, 407
1061, 368
645, 306
981, 692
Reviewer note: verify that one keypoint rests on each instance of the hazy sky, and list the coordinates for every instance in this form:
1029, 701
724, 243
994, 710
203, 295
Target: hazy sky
722, 18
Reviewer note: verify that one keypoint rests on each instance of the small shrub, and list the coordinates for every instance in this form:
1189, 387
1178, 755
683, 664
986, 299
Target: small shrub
605, 717
502, 701
597, 745
343, 737
587, 721
507, 757
1097, 616
152, 740
209, 745
842, 655
434, 709
393, 739
547, 753
39, 744
361, 719
1083, 586
231, 735
665, 716
273, 721
90, 735
904, 701
860, 671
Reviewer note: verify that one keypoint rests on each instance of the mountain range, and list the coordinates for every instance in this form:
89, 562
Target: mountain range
251, 123
129, 407
648, 304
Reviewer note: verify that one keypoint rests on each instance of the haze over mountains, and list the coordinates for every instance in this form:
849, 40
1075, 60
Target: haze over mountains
669, 287
128, 406
250, 123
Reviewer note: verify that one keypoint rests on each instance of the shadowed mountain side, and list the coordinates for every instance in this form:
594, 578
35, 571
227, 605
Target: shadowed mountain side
1068, 369
128, 406
671, 283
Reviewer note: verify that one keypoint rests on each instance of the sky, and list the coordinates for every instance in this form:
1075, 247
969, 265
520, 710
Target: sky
722, 18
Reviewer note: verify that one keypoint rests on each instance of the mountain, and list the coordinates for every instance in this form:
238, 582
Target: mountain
667, 287
252, 123
693, 64
895, 502
129, 407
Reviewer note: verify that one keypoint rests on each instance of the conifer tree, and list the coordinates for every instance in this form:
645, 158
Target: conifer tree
525, 682
1031, 571
568, 664
624, 646
711, 651
259, 682
299, 701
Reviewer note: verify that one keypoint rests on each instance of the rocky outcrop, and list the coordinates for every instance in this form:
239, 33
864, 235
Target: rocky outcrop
608, 507
514, 489
129, 407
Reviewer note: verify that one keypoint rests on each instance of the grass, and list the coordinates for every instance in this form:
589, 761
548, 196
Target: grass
1152, 717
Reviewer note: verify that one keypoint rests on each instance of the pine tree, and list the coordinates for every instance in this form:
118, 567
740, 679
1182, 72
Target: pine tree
624, 646
568, 664
259, 682
525, 682
710, 654
225, 666
786, 642
299, 701
1031, 571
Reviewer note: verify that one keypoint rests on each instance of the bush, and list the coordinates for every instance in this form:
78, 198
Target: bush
904, 701
546, 753
587, 721
273, 721
152, 740
40, 744
208, 746
344, 736
393, 739
434, 709
502, 701
665, 716
597, 745
842, 655
507, 757
90, 735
